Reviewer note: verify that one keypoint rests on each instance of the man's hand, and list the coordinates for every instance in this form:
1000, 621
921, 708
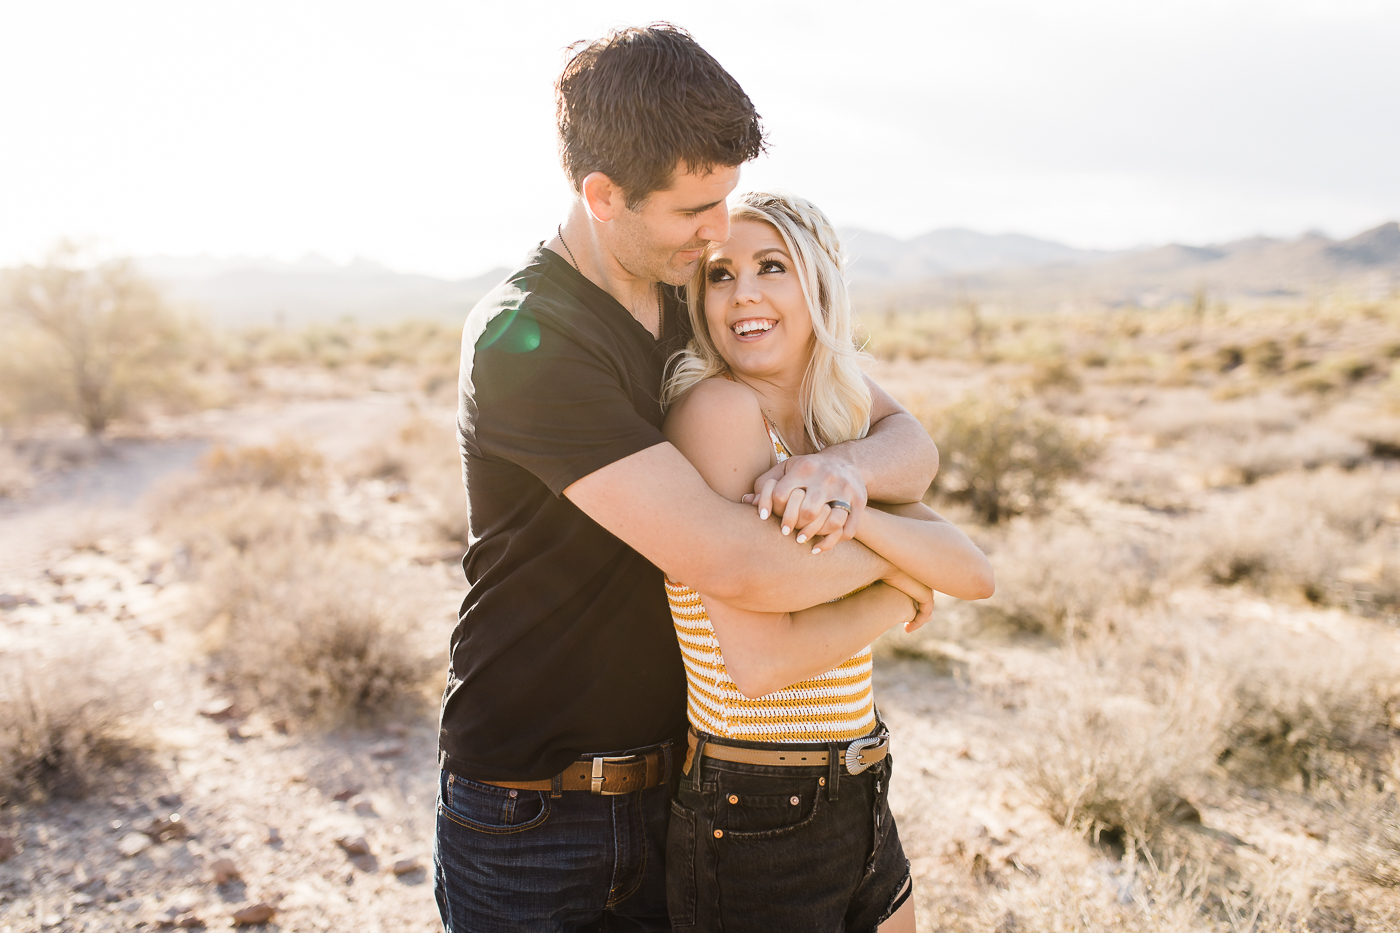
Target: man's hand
920, 594
801, 490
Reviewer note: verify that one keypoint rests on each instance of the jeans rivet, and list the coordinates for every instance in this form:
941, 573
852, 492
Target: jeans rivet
514, 793
821, 781
719, 834
794, 801
733, 798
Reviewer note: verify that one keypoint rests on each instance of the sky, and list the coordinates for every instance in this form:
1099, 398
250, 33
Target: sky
420, 134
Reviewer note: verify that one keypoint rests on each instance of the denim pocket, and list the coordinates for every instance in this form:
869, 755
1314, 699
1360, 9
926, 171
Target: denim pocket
762, 816
680, 866
489, 809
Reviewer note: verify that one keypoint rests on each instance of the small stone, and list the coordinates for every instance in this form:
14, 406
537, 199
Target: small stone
1184, 811
8, 601
84, 900
191, 922
353, 845
7, 848
362, 806
281, 726
235, 731
224, 871
405, 865
387, 750
167, 827
169, 800
346, 793
133, 844
253, 915
274, 836
219, 710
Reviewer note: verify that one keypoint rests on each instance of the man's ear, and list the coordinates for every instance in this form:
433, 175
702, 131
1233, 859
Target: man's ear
601, 197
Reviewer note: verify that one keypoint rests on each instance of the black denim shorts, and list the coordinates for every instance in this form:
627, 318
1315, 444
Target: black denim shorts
776, 849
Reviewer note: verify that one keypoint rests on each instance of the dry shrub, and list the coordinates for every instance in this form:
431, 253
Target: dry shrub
65, 722
1003, 457
1304, 705
317, 634
1125, 736
1323, 535
1372, 813
288, 463
426, 457
1057, 578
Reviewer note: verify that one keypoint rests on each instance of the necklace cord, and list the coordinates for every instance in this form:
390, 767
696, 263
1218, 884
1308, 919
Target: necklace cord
660, 307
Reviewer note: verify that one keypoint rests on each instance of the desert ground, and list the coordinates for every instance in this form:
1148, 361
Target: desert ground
223, 626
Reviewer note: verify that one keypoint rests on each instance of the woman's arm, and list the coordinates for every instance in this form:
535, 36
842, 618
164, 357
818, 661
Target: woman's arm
718, 427
929, 548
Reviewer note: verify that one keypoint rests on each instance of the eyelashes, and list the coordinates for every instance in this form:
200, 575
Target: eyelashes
717, 274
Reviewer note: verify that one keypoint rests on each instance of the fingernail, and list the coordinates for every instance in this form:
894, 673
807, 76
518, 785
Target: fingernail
801, 538
816, 550
763, 513
786, 529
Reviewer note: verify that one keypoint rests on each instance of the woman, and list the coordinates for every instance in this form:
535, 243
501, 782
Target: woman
782, 820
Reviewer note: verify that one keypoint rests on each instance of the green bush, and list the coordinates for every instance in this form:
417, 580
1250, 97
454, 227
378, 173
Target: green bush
1003, 458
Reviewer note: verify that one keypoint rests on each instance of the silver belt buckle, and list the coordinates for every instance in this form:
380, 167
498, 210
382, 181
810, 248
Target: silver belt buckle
596, 785
853, 763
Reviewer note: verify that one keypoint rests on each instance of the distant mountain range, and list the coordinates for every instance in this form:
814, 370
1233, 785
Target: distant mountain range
1367, 264
934, 269
244, 291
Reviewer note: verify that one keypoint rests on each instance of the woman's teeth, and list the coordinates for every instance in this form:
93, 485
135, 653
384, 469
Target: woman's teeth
752, 327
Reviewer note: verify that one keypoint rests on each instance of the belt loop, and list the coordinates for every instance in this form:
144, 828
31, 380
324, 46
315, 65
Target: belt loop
833, 767
697, 764
556, 786
666, 763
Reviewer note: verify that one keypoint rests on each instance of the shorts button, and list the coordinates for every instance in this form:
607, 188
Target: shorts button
719, 834
733, 798
515, 793
821, 781
794, 801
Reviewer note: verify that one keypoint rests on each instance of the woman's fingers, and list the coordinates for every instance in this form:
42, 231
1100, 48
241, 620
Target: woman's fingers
794, 508
816, 526
923, 615
765, 498
831, 529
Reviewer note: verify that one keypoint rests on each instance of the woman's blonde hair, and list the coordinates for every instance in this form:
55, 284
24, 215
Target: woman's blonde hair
835, 399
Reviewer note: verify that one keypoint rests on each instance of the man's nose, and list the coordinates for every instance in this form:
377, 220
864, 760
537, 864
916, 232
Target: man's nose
716, 228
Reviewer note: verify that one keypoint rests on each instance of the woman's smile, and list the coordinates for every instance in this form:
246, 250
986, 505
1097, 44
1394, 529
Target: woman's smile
754, 304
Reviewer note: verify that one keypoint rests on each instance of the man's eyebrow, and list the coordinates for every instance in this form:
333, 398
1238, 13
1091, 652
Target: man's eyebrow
698, 210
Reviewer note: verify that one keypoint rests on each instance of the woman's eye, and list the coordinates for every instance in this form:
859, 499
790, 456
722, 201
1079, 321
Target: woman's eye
770, 265
718, 274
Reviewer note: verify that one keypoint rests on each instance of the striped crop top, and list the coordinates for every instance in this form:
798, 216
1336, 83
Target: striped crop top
833, 707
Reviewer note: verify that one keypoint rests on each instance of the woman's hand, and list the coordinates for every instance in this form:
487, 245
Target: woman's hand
921, 595
801, 490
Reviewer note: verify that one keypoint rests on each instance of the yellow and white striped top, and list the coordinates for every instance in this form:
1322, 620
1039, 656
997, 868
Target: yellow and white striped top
836, 706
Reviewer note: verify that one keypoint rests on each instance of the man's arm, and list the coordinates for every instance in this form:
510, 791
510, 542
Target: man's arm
656, 502
895, 462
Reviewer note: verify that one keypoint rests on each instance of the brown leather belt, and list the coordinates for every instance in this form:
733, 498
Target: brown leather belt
602, 775
859, 753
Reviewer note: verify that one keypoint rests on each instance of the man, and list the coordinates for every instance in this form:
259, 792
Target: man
566, 693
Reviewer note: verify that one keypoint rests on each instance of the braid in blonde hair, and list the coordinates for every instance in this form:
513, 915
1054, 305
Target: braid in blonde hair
835, 398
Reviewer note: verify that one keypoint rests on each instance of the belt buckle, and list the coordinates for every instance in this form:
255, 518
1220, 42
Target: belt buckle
853, 763
596, 786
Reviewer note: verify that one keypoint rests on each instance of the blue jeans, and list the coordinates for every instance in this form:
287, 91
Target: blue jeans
521, 860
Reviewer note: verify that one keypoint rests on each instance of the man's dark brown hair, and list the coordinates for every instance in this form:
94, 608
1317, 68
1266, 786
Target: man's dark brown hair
640, 100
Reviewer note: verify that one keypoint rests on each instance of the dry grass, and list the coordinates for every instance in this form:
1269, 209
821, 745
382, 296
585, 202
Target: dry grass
1324, 537
66, 720
302, 615
321, 636
1058, 577
1121, 741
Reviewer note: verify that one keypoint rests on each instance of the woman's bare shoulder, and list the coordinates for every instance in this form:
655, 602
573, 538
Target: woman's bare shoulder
718, 426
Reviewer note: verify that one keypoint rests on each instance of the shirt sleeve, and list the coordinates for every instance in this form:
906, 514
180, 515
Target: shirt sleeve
550, 400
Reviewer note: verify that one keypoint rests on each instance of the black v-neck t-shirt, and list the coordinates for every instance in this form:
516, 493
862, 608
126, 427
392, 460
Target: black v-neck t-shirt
564, 645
